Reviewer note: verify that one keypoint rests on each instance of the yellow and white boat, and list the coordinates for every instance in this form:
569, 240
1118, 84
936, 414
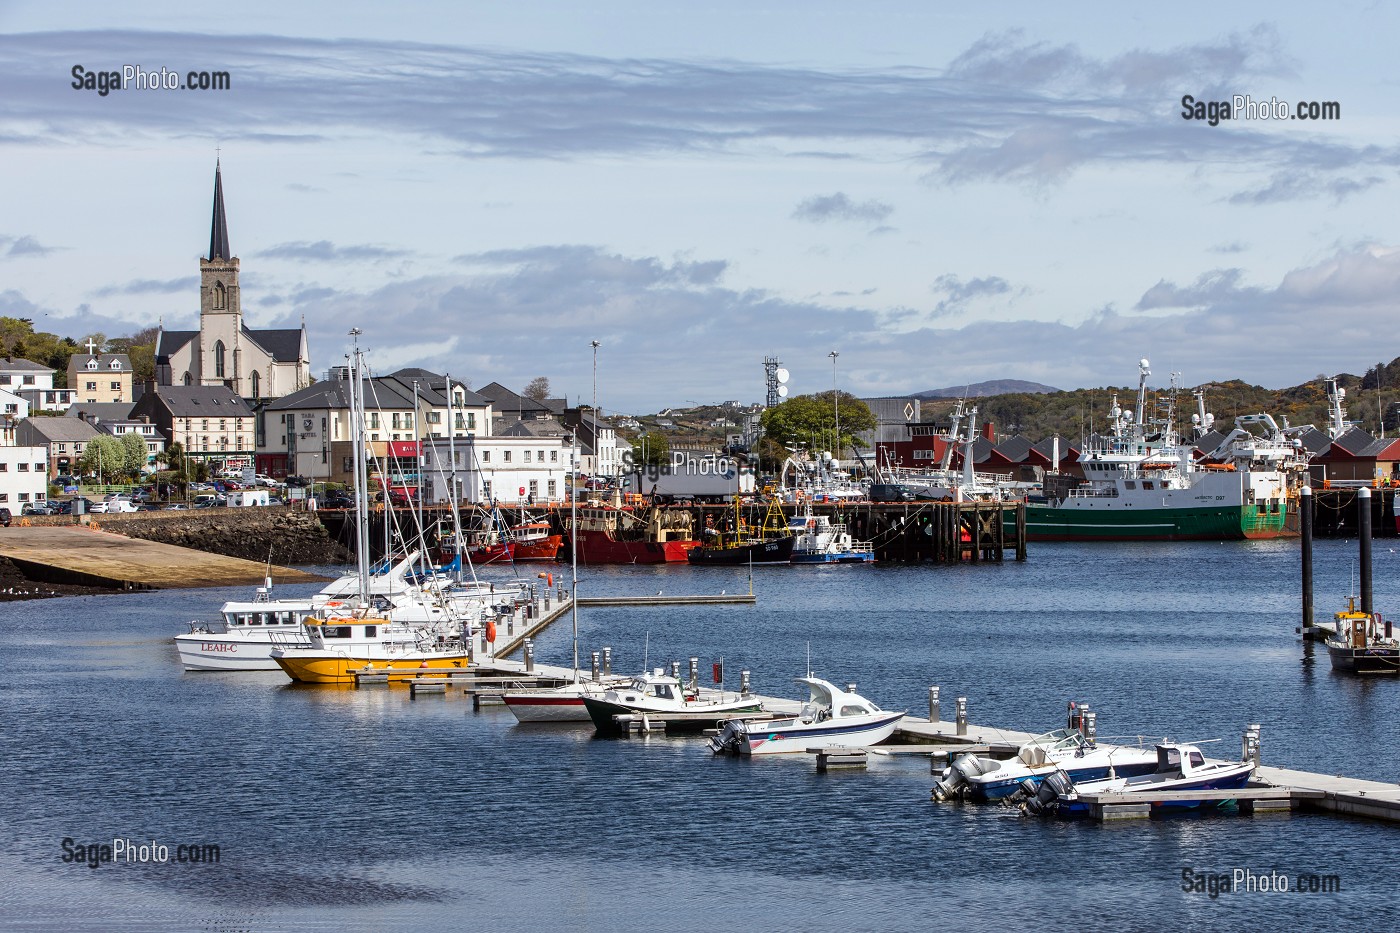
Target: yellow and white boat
332, 650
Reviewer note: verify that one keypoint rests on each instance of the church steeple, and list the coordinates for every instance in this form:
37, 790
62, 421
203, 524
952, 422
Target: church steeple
218, 232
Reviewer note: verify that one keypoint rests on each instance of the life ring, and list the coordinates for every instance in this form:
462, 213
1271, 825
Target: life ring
491, 631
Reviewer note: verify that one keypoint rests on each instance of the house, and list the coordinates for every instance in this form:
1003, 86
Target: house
212, 423
1357, 457
13, 407
17, 374
600, 454
63, 440
521, 467
311, 432
100, 377
114, 418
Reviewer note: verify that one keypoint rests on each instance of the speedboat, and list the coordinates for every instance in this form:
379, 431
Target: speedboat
557, 704
830, 717
660, 693
984, 779
1179, 768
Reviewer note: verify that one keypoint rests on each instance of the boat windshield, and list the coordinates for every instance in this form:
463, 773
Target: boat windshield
1168, 760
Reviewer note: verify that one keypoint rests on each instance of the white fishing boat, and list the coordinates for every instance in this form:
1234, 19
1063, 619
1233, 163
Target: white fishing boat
241, 640
661, 693
831, 717
819, 540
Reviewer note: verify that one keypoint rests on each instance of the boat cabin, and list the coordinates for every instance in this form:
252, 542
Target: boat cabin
1181, 760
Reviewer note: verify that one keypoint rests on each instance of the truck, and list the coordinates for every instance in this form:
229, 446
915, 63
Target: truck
246, 497
688, 477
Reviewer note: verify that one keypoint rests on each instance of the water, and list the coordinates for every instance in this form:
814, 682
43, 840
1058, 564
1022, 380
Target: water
343, 809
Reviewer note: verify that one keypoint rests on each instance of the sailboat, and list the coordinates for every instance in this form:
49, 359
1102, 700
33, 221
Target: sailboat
346, 639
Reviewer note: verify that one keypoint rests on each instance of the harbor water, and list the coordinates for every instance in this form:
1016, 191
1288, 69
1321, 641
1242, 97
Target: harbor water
344, 809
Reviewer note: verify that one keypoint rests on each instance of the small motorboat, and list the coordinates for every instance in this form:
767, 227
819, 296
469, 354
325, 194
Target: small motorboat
985, 779
820, 541
662, 694
1363, 643
555, 704
1179, 768
831, 717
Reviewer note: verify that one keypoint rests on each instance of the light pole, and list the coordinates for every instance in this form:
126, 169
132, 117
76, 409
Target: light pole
595, 344
836, 403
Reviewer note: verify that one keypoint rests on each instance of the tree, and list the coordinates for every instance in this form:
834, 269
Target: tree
810, 421
104, 456
136, 454
537, 389
651, 449
140, 348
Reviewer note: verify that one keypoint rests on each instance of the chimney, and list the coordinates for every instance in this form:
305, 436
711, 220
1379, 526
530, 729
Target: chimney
989, 431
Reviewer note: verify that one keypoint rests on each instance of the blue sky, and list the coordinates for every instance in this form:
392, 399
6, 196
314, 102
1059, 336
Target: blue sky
940, 195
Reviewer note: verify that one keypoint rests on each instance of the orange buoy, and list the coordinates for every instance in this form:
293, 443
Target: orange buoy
491, 631
549, 580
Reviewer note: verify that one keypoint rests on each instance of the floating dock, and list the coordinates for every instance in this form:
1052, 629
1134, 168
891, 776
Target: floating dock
80, 555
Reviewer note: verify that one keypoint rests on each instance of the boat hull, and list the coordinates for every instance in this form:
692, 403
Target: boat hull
829, 557
774, 551
1232, 779
602, 711
204, 652
1369, 660
996, 786
797, 737
1100, 522
312, 667
596, 547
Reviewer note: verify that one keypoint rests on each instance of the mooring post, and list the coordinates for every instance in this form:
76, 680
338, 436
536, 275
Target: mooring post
676, 669
1091, 728
607, 662
1084, 715
694, 673
962, 715
529, 656
1249, 745
744, 682
595, 667
1363, 505
935, 714
1305, 513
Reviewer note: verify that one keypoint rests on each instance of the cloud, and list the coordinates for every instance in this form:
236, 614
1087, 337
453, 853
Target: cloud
1219, 285
326, 251
16, 247
1300, 186
1005, 109
838, 206
957, 293
150, 287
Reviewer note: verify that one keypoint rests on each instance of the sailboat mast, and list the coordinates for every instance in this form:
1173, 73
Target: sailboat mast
361, 480
573, 539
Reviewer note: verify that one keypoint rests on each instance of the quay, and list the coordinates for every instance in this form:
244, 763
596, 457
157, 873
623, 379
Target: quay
86, 556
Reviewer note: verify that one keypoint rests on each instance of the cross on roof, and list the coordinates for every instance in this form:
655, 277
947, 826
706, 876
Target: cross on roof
90, 345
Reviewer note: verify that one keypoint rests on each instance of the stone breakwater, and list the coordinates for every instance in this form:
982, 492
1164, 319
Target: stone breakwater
282, 536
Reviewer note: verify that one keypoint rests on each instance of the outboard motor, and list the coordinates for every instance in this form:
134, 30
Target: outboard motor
1047, 798
1026, 790
953, 782
730, 738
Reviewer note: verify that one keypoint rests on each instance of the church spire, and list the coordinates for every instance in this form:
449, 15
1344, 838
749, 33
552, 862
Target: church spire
218, 233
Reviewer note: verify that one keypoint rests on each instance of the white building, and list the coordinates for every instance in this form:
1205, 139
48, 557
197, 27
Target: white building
509, 470
50, 400
24, 374
23, 472
13, 407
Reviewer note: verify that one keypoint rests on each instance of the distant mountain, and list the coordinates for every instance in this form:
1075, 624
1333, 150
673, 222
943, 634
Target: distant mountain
994, 387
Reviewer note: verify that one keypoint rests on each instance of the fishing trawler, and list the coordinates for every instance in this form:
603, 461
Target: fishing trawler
1143, 482
616, 534
738, 544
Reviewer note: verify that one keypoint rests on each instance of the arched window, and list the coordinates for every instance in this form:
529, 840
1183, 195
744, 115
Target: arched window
219, 359
189, 379
220, 297
256, 393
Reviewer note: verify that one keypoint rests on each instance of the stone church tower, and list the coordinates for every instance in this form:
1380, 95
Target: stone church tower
255, 364
220, 310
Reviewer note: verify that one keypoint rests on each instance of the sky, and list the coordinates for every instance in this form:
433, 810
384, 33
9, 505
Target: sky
941, 195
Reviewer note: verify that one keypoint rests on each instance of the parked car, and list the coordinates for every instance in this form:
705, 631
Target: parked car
38, 508
175, 507
66, 506
337, 500
5, 517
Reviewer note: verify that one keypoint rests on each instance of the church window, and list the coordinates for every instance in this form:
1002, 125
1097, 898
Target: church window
256, 393
220, 297
189, 379
219, 359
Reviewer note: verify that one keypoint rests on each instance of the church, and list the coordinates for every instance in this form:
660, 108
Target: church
255, 364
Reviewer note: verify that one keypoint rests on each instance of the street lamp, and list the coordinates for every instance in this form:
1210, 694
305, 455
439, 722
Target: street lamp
595, 344
836, 402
